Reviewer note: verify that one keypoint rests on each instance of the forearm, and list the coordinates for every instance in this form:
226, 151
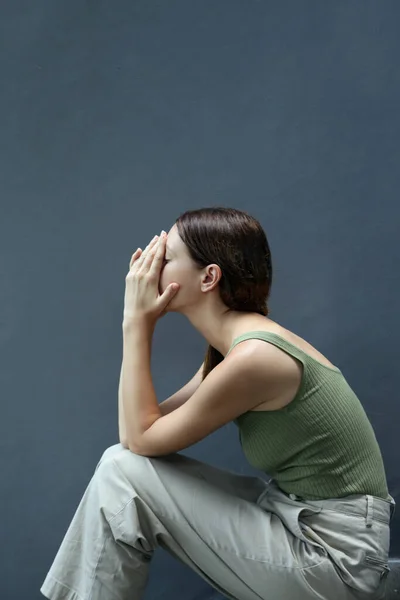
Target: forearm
138, 399
165, 407
121, 415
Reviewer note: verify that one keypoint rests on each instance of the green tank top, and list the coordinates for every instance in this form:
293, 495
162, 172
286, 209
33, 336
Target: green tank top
322, 444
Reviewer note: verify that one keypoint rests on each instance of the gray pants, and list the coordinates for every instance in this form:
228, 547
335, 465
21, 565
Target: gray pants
242, 534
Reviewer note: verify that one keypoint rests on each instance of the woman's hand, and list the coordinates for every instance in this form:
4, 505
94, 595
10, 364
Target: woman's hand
142, 299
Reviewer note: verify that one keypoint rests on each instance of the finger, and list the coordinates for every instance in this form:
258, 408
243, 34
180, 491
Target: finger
158, 256
134, 256
145, 252
151, 256
150, 245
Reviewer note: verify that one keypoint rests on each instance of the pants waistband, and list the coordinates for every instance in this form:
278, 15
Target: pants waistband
365, 505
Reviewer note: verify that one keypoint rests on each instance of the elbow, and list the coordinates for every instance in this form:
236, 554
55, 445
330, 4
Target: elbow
124, 442
133, 448
129, 446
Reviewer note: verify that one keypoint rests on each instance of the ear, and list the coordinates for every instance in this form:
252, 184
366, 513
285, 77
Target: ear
213, 276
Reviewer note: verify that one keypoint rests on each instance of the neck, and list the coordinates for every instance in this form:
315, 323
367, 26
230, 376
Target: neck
220, 325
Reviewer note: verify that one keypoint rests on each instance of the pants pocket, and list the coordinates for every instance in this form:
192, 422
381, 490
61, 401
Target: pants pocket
379, 567
360, 553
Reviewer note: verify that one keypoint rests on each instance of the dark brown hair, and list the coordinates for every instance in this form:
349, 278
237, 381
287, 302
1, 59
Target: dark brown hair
237, 243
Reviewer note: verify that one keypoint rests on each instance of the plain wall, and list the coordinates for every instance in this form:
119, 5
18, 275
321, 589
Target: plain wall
115, 118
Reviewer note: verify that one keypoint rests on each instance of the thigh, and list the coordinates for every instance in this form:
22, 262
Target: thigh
215, 526
219, 505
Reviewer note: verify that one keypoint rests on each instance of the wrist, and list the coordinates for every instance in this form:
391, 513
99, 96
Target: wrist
136, 324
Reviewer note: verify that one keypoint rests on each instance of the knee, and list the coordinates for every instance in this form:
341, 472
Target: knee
118, 459
110, 453
121, 455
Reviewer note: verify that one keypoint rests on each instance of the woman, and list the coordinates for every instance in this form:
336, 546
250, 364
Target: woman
318, 529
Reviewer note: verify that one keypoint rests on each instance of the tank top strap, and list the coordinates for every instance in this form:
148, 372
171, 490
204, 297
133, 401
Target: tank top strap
274, 339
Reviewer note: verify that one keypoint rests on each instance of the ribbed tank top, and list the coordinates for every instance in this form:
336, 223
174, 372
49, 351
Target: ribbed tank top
322, 444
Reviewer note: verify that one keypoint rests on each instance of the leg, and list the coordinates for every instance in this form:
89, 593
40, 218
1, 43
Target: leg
206, 517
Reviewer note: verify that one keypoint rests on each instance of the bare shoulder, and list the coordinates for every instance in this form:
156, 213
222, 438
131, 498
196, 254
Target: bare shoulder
270, 367
250, 367
276, 353
275, 370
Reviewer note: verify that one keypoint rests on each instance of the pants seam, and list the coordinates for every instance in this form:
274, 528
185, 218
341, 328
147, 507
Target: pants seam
93, 575
259, 560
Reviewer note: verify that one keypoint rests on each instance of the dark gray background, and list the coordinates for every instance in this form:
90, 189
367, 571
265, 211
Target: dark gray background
115, 118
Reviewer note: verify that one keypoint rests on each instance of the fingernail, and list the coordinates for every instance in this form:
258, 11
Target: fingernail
163, 233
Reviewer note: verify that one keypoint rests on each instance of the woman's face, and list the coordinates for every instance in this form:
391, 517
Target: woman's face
178, 267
